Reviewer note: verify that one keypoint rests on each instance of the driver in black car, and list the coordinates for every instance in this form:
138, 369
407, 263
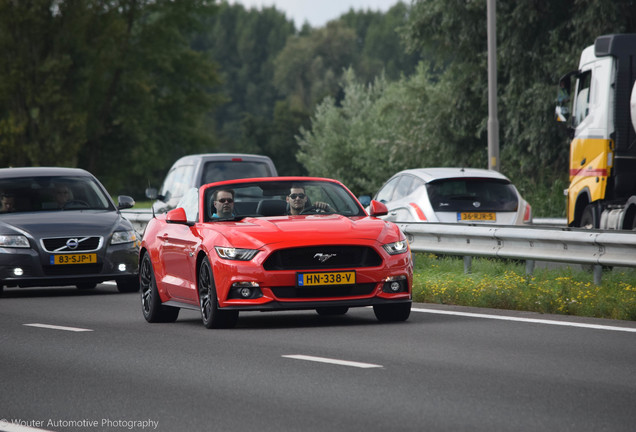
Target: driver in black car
297, 199
62, 195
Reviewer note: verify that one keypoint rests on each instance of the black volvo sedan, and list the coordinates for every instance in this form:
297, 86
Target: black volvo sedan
59, 226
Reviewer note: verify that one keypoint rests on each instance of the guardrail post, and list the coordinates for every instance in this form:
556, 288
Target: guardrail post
468, 262
529, 267
598, 274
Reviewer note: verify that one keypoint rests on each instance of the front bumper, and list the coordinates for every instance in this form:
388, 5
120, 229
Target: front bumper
29, 267
277, 290
306, 305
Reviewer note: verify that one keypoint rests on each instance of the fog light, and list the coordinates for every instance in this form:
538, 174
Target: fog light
245, 290
395, 284
122, 267
18, 271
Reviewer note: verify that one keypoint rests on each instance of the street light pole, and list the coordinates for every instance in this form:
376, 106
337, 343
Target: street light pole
493, 122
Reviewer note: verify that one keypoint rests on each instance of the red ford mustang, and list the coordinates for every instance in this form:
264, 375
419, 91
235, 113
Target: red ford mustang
278, 243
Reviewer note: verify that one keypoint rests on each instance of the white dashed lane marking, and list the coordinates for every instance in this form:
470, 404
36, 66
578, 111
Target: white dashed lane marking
55, 327
333, 361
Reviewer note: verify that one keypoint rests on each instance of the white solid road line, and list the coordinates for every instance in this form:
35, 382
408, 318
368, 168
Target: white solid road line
333, 361
54, 327
527, 320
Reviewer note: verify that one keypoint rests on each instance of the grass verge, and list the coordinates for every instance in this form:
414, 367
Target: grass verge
503, 284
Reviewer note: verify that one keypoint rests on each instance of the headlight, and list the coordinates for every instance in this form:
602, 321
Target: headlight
396, 248
14, 241
236, 254
120, 237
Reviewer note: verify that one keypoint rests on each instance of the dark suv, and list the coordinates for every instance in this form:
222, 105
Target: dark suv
199, 169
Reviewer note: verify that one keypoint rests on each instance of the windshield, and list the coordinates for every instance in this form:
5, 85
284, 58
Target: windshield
279, 198
59, 193
230, 170
462, 194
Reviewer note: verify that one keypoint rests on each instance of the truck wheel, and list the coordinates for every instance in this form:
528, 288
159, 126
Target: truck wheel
588, 218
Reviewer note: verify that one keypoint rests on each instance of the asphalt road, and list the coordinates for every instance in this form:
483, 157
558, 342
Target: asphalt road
445, 369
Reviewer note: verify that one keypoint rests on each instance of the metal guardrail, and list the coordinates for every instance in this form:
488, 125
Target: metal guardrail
138, 218
532, 243
567, 245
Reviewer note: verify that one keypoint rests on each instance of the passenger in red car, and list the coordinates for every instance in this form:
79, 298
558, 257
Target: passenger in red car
297, 200
223, 203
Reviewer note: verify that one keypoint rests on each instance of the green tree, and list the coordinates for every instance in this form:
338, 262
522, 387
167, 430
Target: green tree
309, 67
113, 87
533, 149
356, 138
153, 92
439, 114
245, 43
40, 123
379, 46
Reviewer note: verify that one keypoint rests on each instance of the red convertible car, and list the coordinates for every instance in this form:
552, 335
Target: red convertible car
277, 243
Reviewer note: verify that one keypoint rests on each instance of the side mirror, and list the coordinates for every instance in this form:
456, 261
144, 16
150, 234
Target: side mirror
365, 200
376, 208
561, 114
125, 202
177, 216
151, 193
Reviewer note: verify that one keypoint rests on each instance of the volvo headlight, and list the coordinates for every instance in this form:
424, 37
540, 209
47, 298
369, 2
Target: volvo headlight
120, 237
231, 253
397, 247
14, 241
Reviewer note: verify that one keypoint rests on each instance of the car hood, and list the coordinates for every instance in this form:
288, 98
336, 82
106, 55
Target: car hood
62, 223
308, 230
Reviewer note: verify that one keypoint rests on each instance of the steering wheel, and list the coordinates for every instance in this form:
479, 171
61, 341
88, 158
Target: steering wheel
316, 209
75, 203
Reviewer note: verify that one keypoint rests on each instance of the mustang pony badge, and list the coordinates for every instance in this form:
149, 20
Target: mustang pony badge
323, 257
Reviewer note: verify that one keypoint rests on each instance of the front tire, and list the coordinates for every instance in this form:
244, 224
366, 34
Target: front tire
211, 315
392, 312
153, 310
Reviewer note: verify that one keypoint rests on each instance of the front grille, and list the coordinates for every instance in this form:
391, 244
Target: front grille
309, 258
72, 269
61, 244
291, 292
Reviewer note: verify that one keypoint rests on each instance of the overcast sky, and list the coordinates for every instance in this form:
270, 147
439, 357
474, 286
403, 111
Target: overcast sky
319, 12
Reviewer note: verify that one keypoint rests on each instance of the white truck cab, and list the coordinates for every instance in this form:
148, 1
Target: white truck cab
602, 191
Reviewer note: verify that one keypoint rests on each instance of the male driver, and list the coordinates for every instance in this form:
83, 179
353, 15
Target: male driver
223, 203
297, 199
62, 195
8, 203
